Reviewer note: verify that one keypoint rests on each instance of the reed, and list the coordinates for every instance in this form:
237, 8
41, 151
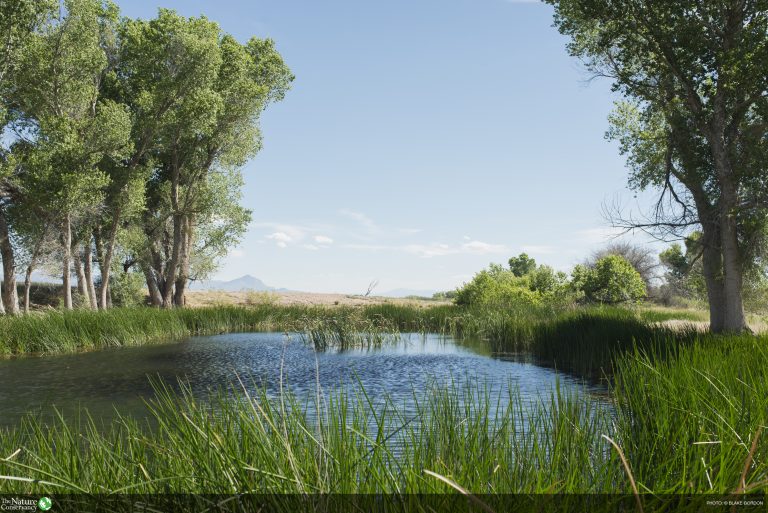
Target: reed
583, 341
679, 425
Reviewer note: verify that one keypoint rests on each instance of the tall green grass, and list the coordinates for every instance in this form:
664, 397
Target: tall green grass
345, 443
687, 415
683, 423
76, 330
583, 340
695, 419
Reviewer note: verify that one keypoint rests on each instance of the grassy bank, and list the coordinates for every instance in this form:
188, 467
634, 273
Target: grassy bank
687, 423
77, 330
584, 341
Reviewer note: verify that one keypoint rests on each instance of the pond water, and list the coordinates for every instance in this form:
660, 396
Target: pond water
118, 379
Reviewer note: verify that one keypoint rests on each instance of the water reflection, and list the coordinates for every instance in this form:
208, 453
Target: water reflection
119, 379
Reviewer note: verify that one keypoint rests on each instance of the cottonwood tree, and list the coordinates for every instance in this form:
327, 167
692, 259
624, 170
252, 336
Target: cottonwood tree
694, 121
19, 19
162, 67
128, 137
213, 128
72, 129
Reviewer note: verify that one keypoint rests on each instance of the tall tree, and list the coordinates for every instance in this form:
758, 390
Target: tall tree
71, 130
210, 127
694, 75
19, 19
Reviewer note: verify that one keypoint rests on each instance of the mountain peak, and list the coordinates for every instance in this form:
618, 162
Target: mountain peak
245, 282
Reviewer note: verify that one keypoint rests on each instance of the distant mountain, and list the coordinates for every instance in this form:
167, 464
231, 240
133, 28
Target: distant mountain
246, 282
406, 293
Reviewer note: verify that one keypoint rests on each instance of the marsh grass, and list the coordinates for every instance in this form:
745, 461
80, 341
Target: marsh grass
694, 419
583, 341
682, 426
345, 442
687, 413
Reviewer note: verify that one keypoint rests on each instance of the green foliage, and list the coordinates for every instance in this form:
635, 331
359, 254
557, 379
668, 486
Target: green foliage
547, 281
523, 284
497, 287
675, 260
691, 121
522, 265
612, 280
128, 289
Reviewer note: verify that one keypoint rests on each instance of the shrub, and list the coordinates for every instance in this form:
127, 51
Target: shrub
497, 286
611, 280
254, 298
128, 289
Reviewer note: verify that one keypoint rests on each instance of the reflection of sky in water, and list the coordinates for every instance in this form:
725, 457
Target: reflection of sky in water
110, 379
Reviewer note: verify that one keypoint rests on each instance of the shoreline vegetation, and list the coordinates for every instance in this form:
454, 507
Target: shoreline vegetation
522, 328
687, 415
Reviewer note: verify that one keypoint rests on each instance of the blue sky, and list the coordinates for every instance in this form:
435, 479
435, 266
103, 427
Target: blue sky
421, 141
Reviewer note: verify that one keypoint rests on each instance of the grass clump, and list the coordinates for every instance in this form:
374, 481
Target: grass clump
696, 419
344, 443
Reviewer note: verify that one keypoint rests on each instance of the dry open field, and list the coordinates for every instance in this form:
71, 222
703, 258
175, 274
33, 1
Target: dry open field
214, 297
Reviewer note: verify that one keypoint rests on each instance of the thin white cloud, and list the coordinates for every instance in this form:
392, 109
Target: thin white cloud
598, 235
311, 247
280, 237
237, 253
360, 218
474, 247
482, 248
323, 239
286, 234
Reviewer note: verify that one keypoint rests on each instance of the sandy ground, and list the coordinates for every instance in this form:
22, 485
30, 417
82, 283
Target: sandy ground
212, 298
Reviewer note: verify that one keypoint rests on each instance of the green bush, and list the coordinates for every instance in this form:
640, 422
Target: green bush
611, 280
128, 289
497, 286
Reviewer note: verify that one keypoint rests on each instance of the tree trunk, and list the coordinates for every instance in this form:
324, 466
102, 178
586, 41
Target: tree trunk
179, 298
712, 269
88, 271
107, 254
155, 297
173, 264
77, 261
9, 294
66, 243
27, 286
100, 303
734, 320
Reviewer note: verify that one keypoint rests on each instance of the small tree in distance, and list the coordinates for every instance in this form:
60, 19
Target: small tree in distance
522, 265
611, 280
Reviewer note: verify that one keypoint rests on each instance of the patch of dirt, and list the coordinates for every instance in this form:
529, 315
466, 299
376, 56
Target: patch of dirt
757, 325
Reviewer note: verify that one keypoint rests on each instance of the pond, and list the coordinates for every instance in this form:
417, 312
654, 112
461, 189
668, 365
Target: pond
119, 379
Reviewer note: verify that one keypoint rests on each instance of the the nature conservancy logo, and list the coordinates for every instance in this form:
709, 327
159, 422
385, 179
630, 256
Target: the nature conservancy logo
25, 504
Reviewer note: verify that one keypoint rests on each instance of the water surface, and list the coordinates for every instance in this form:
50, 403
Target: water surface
118, 379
